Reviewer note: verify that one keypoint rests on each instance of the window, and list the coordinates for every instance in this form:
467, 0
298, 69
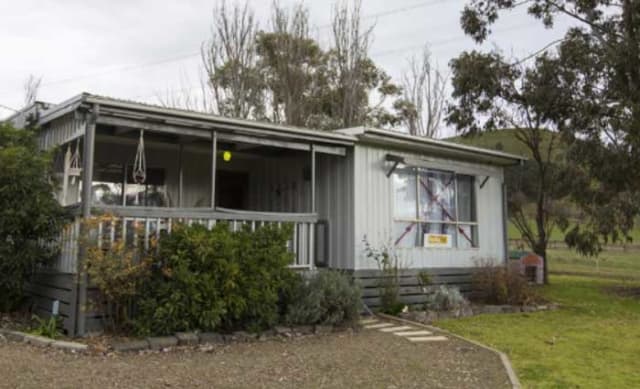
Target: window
434, 208
109, 184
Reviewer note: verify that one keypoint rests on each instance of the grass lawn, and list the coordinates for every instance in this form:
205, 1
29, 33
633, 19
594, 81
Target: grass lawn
593, 341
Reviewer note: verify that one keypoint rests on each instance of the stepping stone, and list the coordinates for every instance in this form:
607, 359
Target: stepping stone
394, 329
368, 321
377, 326
413, 333
427, 339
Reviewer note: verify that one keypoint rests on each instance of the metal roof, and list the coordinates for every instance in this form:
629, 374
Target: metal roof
349, 136
204, 118
399, 140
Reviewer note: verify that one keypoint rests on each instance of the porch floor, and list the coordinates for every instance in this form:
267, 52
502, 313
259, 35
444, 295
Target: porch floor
367, 359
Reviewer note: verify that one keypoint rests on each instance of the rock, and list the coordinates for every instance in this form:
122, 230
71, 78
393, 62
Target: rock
466, 311
161, 342
542, 307
554, 306
430, 317
283, 331
207, 348
3, 339
303, 330
528, 308
211, 337
70, 346
187, 338
35, 340
419, 316
321, 329
492, 309
243, 336
134, 345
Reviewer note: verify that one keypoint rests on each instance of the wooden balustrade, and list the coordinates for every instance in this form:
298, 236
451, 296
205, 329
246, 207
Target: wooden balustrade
141, 225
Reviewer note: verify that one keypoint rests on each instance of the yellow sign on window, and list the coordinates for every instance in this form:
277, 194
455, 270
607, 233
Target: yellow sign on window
437, 240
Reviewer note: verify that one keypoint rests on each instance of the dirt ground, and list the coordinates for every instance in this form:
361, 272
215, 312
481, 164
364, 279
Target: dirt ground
365, 359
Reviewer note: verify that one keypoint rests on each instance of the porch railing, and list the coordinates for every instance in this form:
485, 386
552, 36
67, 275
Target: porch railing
149, 222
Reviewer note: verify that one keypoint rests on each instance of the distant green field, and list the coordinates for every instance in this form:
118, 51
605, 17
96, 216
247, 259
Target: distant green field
558, 236
610, 264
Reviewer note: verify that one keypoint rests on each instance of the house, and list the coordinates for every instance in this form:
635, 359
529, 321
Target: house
439, 206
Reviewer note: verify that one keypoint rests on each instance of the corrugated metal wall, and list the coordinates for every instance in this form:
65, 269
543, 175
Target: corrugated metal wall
374, 212
335, 202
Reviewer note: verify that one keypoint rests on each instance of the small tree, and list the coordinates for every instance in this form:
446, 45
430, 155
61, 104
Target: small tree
30, 217
490, 93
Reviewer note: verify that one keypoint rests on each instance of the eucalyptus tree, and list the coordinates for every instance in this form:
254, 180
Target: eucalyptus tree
592, 87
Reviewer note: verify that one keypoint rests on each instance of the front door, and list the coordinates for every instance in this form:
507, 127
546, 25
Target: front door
232, 189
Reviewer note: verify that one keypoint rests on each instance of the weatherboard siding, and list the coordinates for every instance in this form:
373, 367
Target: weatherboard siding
373, 212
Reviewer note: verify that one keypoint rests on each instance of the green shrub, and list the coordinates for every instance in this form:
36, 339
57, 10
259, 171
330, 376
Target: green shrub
30, 217
264, 276
445, 298
216, 279
327, 297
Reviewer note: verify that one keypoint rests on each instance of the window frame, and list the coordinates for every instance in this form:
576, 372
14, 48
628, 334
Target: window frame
417, 221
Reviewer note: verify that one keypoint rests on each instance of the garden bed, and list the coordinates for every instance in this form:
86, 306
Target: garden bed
431, 316
204, 341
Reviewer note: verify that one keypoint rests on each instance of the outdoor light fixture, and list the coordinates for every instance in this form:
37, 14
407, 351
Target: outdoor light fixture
226, 156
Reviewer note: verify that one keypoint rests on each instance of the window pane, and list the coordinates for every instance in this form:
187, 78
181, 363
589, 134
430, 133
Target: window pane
146, 195
404, 187
438, 235
466, 199
437, 196
405, 234
106, 186
467, 236
106, 193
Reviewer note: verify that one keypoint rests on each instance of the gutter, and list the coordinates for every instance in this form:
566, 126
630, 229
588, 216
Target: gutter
454, 148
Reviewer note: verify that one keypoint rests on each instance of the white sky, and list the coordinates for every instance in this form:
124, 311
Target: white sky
140, 49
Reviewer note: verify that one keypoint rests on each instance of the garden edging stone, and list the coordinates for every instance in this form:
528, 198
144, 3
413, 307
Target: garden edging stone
187, 338
41, 341
162, 342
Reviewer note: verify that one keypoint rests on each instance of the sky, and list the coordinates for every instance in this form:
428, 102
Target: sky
145, 50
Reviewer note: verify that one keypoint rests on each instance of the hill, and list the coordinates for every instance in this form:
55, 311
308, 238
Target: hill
504, 140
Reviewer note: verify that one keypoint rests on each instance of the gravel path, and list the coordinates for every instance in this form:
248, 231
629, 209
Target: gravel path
366, 359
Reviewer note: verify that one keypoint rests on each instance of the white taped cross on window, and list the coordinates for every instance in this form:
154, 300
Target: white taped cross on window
434, 209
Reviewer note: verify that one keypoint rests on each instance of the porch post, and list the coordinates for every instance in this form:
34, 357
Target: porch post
313, 178
87, 179
180, 176
312, 227
214, 153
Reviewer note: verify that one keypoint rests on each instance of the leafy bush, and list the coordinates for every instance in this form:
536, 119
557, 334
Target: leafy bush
389, 283
493, 284
209, 279
30, 217
118, 272
445, 298
264, 275
327, 297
